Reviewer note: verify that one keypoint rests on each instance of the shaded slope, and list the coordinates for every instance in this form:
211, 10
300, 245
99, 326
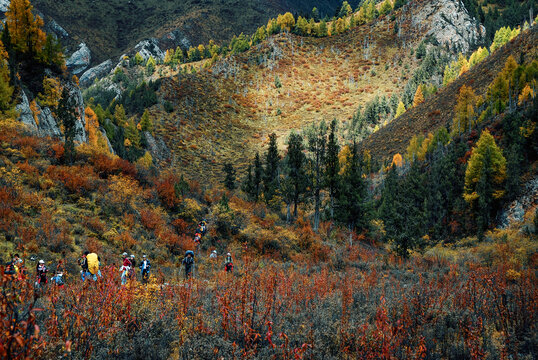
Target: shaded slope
438, 110
110, 27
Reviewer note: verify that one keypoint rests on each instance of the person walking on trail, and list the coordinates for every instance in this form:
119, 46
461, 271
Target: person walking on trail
188, 261
213, 255
58, 279
41, 274
125, 268
228, 263
93, 262
145, 266
83, 262
132, 273
14, 267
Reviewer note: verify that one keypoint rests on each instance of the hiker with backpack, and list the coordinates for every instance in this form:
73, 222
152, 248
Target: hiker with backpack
145, 266
188, 261
41, 274
58, 279
93, 262
228, 263
125, 268
132, 273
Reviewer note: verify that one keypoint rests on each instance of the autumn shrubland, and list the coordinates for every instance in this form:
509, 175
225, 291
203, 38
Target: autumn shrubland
417, 243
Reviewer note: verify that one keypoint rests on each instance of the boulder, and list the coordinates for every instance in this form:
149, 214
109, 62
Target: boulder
79, 60
25, 114
96, 72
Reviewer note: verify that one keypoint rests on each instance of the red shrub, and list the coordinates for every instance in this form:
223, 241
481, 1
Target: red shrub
150, 219
167, 192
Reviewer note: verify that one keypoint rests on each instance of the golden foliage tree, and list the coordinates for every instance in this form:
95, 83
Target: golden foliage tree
6, 90
465, 110
400, 110
92, 126
52, 92
26, 31
286, 21
419, 97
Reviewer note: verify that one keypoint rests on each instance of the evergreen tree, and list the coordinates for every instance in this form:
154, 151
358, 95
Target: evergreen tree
402, 209
258, 174
352, 202
332, 165
248, 184
67, 114
229, 180
296, 166
317, 142
272, 160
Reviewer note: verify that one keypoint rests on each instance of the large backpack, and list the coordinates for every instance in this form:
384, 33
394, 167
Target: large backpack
93, 263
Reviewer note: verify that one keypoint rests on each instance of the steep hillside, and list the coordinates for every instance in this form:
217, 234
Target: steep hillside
109, 27
438, 111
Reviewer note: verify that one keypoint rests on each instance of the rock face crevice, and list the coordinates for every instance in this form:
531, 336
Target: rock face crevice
46, 124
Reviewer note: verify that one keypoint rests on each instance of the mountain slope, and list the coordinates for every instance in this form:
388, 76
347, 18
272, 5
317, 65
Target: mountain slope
438, 111
110, 27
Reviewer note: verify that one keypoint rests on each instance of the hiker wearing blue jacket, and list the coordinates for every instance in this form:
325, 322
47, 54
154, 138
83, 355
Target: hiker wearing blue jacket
145, 266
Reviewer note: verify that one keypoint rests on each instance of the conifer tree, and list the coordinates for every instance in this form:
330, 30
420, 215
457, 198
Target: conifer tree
352, 202
146, 123
132, 133
317, 143
272, 160
26, 31
419, 97
67, 114
296, 166
6, 90
229, 180
400, 110
332, 165
258, 176
465, 111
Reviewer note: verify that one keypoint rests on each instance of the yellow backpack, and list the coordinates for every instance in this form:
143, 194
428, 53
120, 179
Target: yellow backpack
93, 263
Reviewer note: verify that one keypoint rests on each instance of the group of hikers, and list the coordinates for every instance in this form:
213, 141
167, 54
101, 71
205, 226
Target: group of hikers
90, 265
188, 260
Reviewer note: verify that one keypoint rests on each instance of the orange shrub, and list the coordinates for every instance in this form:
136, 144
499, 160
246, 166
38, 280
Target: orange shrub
150, 219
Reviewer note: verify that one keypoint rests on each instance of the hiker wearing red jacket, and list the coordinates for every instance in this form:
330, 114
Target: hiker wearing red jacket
125, 268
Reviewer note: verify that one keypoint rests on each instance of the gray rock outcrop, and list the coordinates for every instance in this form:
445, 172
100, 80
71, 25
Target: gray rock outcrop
79, 60
96, 72
150, 47
4, 5
56, 29
25, 114
514, 213
109, 145
156, 147
449, 23
47, 124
